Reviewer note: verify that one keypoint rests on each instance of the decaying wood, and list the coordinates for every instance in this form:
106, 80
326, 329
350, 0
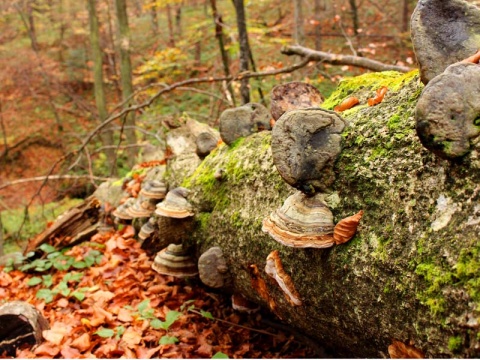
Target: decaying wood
70, 228
339, 59
21, 325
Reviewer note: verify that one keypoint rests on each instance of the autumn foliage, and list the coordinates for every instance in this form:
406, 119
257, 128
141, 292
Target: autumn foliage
120, 307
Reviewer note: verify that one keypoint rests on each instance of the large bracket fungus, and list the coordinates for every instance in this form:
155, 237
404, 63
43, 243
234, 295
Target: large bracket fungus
443, 32
305, 145
448, 111
212, 267
175, 261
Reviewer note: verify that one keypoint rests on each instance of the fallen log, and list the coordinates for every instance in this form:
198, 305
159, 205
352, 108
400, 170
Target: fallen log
407, 283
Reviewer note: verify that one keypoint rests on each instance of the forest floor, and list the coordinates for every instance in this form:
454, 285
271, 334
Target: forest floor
107, 302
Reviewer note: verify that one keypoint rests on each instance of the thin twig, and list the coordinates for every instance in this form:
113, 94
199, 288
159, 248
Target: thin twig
233, 324
52, 177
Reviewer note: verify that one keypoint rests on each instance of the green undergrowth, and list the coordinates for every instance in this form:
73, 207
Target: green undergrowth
34, 221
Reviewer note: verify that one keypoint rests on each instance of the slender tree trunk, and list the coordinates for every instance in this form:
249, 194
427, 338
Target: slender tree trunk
298, 31
154, 18
178, 20
110, 55
31, 25
221, 44
126, 77
171, 40
107, 136
354, 11
405, 16
318, 29
244, 48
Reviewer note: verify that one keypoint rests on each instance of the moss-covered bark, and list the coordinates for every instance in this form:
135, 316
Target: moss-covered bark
411, 273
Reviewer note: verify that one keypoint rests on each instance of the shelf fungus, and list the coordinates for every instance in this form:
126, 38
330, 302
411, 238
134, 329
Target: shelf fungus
293, 95
346, 228
121, 211
212, 267
174, 261
302, 221
240, 304
274, 269
142, 207
448, 111
243, 121
175, 204
154, 189
305, 146
147, 229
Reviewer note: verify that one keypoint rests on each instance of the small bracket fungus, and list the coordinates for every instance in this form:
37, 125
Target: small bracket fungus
293, 95
346, 228
147, 229
448, 111
206, 142
302, 221
240, 304
305, 145
121, 211
212, 267
274, 269
142, 207
243, 121
175, 204
154, 189
174, 261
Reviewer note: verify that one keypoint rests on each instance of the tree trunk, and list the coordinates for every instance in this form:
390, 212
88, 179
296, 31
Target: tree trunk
318, 29
244, 48
298, 31
154, 18
178, 20
405, 16
107, 136
171, 38
31, 25
354, 12
410, 275
126, 77
217, 18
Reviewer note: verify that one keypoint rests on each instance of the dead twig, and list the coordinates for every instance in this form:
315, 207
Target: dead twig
52, 177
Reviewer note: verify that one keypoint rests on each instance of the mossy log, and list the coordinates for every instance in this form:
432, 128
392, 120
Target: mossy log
411, 274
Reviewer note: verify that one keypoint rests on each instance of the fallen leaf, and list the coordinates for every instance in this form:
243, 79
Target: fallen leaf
82, 342
70, 353
47, 349
132, 337
399, 350
124, 315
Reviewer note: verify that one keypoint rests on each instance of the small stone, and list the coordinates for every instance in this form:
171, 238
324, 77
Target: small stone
305, 145
448, 111
444, 32
294, 95
243, 121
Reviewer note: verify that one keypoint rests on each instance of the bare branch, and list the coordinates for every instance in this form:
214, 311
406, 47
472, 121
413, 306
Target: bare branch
339, 59
52, 177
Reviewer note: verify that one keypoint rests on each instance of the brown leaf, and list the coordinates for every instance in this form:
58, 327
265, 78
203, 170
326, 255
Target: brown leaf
124, 315
47, 349
101, 297
82, 342
399, 350
132, 337
145, 353
70, 353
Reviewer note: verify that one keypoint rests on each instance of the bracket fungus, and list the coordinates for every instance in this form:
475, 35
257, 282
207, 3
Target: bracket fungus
174, 261
274, 269
302, 221
121, 211
142, 207
154, 189
243, 121
443, 32
240, 304
212, 267
147, 229
305, 145
293, 95
448, 111
175, 204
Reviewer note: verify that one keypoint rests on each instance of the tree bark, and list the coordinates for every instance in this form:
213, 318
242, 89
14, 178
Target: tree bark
354, 12
244, 48
298, 29
318, 29
107, 136
126, 77
339, 59
171, 38
217, 18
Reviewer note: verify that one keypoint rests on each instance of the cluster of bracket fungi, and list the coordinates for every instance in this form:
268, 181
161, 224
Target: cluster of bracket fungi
306, 141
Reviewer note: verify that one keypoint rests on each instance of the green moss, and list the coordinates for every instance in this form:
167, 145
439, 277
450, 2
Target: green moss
455, 343
468, 272
436, 278
203, 220
368, 82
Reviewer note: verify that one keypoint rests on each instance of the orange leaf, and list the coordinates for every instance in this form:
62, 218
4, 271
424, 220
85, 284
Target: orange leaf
132, 337
124, 315
82, 342
347, 104
70, 353
399, 350
47, 349
379, 97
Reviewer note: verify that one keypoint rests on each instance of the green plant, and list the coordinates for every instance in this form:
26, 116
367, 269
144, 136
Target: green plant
48, 295
220, 355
